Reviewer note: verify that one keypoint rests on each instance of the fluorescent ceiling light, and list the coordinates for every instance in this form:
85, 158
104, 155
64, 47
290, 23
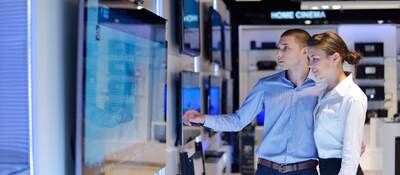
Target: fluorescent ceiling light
325, 7
336, 7
315, 8
355, 5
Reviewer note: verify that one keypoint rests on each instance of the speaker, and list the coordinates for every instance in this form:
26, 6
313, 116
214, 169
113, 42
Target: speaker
373, 71
370, 49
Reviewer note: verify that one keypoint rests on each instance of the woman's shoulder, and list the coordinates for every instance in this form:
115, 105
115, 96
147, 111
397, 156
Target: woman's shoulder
355, 94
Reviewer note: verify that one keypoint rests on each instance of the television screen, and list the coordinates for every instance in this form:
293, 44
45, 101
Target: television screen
121, 80
214, 38
214, 108
212, 92
188, 98
189, 27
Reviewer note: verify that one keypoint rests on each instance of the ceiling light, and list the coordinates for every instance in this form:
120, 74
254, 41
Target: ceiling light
308, 22
336, 7
380, 21
325, 7
315, 8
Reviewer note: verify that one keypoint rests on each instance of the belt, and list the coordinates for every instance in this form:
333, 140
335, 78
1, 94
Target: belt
289, 167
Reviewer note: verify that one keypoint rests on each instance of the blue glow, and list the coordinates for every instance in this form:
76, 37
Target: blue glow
190, 99
214, 101
123, 66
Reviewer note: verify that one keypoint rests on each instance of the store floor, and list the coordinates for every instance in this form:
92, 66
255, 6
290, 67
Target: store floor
365, 173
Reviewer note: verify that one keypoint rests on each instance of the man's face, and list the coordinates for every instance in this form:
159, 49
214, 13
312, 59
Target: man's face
290, 53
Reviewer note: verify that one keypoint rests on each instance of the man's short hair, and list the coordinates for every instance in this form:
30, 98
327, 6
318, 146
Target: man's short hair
300, 35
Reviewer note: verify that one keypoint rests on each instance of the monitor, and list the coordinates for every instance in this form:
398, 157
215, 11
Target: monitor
121, 77
214, 43
188, 98
188, 27
212, 94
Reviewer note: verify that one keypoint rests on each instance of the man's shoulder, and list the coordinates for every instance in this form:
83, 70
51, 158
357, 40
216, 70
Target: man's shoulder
273, 77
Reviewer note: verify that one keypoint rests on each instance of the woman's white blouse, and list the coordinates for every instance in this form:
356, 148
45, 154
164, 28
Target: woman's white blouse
339, 123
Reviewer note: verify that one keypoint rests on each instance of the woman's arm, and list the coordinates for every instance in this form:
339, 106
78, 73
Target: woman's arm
353, 136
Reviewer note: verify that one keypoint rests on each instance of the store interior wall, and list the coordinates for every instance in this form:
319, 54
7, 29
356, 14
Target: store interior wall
373, 33
54, 54
54, 42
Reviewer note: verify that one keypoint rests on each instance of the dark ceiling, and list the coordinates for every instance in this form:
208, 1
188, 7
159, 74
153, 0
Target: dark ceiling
256, 12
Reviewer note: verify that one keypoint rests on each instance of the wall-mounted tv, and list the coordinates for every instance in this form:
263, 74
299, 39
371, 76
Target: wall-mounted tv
189, 27
213, 91
189, 97
214, 38
121, 79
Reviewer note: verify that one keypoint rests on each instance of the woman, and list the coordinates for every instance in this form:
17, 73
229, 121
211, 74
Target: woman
341, 109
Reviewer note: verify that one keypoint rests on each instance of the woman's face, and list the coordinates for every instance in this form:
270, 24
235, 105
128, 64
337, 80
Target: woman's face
322, 65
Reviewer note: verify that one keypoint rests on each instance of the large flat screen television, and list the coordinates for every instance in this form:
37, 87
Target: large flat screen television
189, 97
121, 79
188, 27
214, 43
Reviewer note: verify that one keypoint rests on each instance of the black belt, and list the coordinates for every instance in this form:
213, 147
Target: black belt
289, 167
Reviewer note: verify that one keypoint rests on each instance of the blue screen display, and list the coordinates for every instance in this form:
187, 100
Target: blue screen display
214, 101
125, 60
191, 26
191, 99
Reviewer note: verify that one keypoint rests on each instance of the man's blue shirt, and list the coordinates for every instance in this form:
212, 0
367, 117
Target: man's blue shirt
288, 135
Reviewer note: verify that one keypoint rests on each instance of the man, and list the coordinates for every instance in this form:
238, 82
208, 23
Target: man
288, 98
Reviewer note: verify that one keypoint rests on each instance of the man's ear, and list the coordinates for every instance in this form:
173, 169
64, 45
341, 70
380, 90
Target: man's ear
304, 51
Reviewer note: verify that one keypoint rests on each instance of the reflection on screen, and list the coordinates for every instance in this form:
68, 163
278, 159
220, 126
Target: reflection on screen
191, 25
190, 99
214, 101
124, 66
216, 37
